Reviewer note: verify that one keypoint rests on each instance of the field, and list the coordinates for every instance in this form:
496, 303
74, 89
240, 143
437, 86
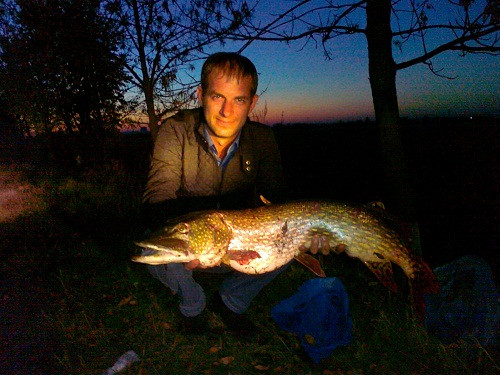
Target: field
72, 302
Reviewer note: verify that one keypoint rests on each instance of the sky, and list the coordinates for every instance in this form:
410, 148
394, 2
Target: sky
298, 84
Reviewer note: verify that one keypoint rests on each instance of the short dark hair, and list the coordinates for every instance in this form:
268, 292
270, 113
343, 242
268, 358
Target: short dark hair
231, 64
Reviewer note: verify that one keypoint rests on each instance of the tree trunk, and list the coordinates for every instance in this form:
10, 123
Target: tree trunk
150, 108
147, 81
382, 71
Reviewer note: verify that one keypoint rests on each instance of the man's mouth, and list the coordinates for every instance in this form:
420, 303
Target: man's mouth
224, 122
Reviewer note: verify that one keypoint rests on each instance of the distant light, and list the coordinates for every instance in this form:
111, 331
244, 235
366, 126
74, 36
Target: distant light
470, 118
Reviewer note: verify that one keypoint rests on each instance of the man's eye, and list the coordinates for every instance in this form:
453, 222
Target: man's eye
216, 97
241, 100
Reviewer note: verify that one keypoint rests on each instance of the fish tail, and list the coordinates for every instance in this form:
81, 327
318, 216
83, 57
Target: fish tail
422, 282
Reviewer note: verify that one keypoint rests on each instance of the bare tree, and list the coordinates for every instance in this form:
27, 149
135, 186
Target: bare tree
260, 116
465, 26
164, 39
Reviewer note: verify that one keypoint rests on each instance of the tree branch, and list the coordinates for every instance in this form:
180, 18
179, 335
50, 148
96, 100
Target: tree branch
455, 44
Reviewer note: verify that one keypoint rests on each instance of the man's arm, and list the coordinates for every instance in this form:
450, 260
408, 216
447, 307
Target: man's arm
164, 178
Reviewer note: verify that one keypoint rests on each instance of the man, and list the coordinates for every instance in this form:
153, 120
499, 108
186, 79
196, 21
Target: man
214, 157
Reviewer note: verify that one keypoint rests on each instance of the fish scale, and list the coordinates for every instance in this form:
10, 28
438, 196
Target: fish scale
260, 240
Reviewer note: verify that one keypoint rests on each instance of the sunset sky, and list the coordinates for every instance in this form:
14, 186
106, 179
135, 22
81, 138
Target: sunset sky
302, 86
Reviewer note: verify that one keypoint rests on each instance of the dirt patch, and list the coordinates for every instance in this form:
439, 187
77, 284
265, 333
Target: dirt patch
18, 197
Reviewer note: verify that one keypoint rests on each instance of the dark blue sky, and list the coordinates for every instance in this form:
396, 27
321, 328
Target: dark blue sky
302, 86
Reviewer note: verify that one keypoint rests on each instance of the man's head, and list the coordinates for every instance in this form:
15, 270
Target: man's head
232, 65
227, 93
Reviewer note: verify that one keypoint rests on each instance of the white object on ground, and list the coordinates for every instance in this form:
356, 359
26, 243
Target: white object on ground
123, 362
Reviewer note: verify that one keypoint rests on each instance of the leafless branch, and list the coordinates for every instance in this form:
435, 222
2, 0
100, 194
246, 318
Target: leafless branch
458, 44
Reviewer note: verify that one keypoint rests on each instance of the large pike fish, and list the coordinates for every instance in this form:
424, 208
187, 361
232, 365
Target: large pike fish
260, 240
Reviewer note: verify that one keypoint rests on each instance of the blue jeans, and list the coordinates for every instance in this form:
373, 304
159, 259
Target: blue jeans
237, 289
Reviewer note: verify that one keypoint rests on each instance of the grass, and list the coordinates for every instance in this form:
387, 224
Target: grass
98, 304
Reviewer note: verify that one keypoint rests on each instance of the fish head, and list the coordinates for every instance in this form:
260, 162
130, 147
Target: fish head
202, 236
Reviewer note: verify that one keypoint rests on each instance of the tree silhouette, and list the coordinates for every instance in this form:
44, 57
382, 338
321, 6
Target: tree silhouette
60, 68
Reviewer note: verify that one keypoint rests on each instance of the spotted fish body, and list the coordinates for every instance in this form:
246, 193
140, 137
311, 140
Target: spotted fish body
260, 240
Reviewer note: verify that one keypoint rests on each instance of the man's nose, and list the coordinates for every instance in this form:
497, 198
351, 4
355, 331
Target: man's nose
226, 109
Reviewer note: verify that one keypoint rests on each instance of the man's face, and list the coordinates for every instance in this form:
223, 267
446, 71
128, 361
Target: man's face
226, 104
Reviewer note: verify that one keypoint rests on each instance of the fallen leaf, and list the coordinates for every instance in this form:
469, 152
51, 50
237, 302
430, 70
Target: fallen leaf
226, 360
309, 339
133, 302
262, 367
125, 301
213, 349
166, 325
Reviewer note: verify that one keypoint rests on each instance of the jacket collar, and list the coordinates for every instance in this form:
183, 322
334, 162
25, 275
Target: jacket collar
244, 155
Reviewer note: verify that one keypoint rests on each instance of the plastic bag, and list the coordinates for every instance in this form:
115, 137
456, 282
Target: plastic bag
319, 314
467, 305
123, 362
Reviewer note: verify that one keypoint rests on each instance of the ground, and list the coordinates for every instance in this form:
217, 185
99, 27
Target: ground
22, 295
454, 169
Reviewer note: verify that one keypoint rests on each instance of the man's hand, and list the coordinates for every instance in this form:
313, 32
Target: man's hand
193, 264
318, 243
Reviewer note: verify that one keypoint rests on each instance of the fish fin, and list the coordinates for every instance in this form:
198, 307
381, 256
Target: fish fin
243, 256
377, 204
264, 200
383, 271
423, 282
311, 263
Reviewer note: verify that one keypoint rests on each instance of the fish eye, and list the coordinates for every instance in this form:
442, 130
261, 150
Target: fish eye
183, 228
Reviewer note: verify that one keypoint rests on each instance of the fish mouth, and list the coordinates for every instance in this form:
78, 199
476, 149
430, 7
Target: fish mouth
156, 257
165, 244
147, 259
172, 250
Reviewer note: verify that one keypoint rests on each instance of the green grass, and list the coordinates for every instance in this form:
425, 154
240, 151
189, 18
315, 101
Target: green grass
101, 304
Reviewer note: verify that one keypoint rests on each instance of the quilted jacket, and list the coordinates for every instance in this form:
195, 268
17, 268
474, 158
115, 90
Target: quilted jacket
184, 175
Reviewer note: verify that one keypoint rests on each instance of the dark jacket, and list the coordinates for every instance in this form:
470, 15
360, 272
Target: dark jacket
185, 177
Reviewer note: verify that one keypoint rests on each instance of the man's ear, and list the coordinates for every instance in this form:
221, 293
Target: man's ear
199, 94
255, 99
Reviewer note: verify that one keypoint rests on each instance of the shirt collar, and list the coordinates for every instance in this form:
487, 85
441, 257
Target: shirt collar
211, 146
